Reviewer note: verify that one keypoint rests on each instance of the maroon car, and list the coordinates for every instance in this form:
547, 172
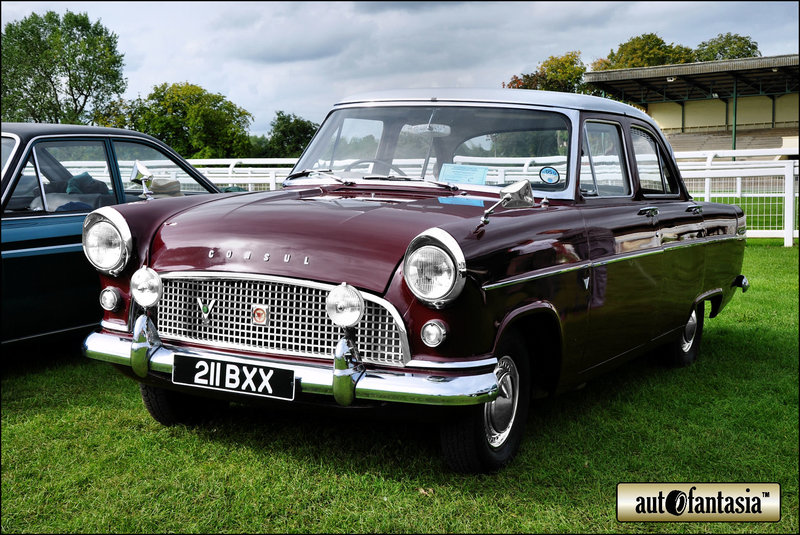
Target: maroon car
461, 248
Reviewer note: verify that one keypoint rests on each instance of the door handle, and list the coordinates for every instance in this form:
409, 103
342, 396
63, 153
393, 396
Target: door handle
695, 209
649, 211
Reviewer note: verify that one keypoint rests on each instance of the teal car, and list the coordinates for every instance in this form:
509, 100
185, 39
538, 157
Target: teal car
52, 177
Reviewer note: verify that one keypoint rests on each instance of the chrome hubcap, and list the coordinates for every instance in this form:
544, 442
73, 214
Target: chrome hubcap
689, 332
499, 415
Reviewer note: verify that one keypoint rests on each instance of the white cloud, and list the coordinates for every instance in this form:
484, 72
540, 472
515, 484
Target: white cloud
301, 57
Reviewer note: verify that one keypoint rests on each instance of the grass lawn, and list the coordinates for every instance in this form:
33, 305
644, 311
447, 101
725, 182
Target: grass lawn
81, 454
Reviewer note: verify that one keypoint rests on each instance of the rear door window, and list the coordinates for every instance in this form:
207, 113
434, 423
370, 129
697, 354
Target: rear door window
603, 171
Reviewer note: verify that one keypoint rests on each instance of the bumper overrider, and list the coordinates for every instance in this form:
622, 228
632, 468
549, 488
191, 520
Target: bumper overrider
347, 379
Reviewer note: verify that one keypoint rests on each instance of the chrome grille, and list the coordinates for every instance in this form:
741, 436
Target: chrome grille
297, 324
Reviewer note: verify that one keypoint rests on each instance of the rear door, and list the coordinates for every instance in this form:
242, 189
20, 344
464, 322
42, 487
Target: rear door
623, 287
680, 222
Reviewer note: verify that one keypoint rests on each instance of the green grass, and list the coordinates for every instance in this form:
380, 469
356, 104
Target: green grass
81, 454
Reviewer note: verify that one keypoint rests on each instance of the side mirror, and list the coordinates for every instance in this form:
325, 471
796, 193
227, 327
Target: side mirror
517, 195
140, 174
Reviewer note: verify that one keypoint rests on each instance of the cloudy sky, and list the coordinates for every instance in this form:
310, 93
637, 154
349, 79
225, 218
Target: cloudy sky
301, 57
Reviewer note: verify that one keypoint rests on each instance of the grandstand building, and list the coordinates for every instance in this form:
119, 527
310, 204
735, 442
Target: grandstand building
749, 103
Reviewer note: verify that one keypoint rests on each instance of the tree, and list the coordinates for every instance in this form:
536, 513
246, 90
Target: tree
727, 46
194, 122
287, 139
556, 73
58, 70
646, 50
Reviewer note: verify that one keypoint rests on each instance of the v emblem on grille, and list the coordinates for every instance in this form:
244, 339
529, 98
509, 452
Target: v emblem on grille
206, 310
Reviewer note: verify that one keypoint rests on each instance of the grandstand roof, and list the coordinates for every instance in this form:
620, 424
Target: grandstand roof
767, 76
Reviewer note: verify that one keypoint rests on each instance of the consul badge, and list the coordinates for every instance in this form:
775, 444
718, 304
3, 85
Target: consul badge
248, 255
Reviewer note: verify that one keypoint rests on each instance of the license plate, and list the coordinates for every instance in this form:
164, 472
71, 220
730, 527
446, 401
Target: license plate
248, 379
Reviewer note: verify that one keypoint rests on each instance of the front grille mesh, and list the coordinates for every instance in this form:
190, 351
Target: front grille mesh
298, 324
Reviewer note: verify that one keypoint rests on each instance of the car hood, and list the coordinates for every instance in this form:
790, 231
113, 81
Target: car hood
330, 235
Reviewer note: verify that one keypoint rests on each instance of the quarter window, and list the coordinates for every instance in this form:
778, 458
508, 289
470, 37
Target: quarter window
602, 161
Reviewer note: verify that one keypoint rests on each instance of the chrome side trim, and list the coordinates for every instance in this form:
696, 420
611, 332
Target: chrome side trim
51, 249
629, 256
547, 272
378, 385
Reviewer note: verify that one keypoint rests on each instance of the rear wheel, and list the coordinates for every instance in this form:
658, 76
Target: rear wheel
169, 407
484, 438
684, 350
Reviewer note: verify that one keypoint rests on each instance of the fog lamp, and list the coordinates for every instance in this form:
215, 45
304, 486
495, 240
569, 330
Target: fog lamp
345, 305
146, 287
433, 333
110, 299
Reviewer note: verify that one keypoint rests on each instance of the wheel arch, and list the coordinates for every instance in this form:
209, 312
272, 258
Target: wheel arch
712, 296
539, 328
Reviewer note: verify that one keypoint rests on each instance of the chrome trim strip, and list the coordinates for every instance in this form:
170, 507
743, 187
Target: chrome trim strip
629, 256
51, 249
457, 365
214, 275
379, 385
547, 272
114, 327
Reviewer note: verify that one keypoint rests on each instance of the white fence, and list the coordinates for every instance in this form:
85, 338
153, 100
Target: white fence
762, 183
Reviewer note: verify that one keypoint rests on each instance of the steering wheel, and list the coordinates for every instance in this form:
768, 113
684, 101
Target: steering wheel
365, 160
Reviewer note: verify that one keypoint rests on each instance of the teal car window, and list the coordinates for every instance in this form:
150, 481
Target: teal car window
74, 176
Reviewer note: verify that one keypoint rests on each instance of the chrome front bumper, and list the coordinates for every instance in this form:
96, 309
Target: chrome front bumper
147, 353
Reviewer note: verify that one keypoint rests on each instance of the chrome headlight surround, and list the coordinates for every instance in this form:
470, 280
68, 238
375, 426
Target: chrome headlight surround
439, 242
118, 239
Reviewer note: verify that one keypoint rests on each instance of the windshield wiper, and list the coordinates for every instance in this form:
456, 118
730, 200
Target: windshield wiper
324, 172
388, 177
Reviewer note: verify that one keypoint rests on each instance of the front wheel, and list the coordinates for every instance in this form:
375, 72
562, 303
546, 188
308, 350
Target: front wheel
169, 407
486, 437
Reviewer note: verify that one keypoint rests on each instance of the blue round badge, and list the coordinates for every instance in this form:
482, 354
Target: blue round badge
549, 175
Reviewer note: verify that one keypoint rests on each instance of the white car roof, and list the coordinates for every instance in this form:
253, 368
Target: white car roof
499, 96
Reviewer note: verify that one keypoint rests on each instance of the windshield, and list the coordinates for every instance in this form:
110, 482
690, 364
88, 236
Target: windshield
451, 144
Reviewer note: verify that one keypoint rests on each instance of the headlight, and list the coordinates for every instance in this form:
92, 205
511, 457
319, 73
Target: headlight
107, 241
434, 268
430, 273
345, 305
146, 287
